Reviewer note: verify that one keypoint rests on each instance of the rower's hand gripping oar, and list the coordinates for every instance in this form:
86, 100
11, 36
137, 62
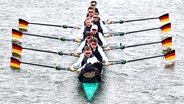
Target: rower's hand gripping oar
165, 43
168, 56
18, 49
162, 18
23, 25
164, 28
19, 34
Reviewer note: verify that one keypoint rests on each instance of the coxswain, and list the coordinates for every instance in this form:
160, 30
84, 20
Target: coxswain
89, 74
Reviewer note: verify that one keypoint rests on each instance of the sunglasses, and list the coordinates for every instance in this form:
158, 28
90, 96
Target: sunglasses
93, 29
94, 44
95, 17
87, 53
90, 12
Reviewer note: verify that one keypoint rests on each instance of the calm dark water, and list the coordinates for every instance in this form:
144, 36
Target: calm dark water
141, 82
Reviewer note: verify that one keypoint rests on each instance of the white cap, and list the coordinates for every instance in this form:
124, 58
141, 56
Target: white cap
94, 27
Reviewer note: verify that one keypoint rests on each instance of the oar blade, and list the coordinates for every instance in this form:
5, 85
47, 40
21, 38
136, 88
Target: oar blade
16, 48
166, 27
15, 63
23, 24
164, 18
16, 33
170, 55
167, 42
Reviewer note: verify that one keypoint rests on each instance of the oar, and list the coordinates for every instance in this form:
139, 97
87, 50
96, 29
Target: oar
165, 42
18, 34
164, 28
15, 63
23, 24
162, 18
18, 49
168, 56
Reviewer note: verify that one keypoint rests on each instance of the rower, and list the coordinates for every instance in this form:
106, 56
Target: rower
97, 51
97, 21
84, 58
86, 42
87, 27
98, 35
90, 12
93, 4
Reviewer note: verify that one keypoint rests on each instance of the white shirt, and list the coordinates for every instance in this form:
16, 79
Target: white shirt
103, 39
82, 45
91, 60
103, 27
100, 50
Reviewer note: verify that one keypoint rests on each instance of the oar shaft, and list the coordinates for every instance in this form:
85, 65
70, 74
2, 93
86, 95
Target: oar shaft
142, 30
61, 38
59, 53
47, 66
64, 26
45, 24
39, 50
38, 65
41, 36
141, 19
142, 44
145, 58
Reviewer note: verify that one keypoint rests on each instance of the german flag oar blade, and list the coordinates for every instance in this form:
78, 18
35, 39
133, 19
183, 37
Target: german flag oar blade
167, 42
23, 24
16, 48
170, 55
164, 18
166, 27
16, 33
15, 63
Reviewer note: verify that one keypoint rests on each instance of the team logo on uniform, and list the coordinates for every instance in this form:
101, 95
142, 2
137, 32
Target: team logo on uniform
89, 74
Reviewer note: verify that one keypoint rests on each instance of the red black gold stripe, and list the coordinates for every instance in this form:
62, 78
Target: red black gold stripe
167, 42
16, 48
170, 55
15, 63
166, 27
164, 18
16, 33
23, 24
